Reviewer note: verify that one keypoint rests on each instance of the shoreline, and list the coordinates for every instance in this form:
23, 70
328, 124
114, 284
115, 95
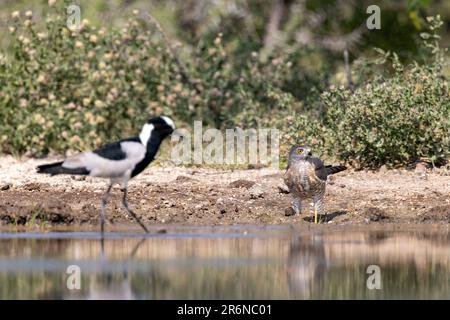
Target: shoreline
169, 196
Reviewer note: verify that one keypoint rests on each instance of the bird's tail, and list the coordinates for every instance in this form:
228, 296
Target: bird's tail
335, 169
57, 168
51, 168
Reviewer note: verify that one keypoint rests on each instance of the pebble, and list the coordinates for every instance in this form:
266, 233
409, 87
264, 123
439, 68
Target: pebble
242, 184
168, 204
383, 169
282, 188
5, 186
78, 178
289, 212
256, 192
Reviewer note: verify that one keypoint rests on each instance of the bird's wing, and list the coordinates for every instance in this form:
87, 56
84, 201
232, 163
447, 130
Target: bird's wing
320, 169
111, 151
288, 178
115, 150
110, 160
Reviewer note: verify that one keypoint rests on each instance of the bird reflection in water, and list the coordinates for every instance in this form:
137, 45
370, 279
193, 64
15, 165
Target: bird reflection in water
113, 285
307, 266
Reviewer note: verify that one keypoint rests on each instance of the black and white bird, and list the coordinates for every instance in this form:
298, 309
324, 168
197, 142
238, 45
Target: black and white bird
118, 161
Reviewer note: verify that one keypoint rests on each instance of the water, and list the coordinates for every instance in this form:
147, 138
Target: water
227, 263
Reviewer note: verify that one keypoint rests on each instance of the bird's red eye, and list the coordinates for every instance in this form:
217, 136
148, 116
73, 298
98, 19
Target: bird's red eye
299, 151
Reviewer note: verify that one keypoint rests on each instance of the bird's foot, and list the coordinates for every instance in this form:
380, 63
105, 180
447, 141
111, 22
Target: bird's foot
319, 218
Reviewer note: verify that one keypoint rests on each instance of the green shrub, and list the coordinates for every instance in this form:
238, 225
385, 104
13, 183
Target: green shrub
60, 85
391, 120
62, 89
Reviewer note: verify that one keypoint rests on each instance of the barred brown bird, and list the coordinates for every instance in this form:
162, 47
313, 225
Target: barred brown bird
306, 177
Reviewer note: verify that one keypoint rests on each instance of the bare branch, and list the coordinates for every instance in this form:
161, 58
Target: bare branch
280, 10
335, 43
181, 67
348, 72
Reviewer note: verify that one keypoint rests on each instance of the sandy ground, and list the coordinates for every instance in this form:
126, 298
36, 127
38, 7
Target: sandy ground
197, 196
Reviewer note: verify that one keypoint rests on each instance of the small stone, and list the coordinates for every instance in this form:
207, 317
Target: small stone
282, 188
78, 178
289, 212
184, 179
256, 166
199, 206
168, 204
5, 187
242, 184
421, 171
375, 214
33, 186
383, 169
221, 206
256, 192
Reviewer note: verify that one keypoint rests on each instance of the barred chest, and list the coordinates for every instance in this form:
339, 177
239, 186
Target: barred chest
302, 179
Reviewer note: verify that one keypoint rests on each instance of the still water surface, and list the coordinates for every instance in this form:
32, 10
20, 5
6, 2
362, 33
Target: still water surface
226, 263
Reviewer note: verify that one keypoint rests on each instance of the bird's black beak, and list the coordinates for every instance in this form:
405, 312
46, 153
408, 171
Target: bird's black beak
309, 153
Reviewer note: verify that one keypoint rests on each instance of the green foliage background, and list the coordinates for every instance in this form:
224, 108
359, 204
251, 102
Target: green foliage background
63, 89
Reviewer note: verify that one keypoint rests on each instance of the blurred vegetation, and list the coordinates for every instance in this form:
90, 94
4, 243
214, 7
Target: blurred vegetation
392, 120
269, 63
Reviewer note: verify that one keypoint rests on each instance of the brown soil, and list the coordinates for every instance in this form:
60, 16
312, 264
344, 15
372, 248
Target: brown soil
194, 196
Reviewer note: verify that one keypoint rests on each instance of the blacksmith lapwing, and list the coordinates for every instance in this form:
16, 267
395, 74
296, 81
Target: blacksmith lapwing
118, 161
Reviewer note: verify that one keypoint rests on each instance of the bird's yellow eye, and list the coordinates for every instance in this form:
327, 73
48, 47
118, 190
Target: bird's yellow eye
299, 151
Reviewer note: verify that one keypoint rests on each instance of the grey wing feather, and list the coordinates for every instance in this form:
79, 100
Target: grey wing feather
321, 170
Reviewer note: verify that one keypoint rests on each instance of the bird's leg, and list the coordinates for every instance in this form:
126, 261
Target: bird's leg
125, 204
318, 206
297, 205
103, 208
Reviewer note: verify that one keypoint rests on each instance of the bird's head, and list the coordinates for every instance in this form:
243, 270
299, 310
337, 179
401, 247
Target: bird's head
299, 152
162, 125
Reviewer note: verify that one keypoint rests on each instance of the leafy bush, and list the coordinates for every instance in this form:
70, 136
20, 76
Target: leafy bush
62, 89
60, 85
391, 120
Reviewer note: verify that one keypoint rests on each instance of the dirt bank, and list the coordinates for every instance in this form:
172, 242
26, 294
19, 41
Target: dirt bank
196, 196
